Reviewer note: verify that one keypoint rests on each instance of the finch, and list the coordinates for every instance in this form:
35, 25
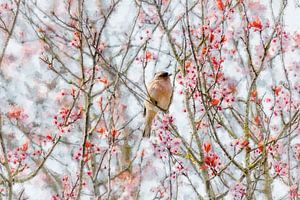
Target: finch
159, 97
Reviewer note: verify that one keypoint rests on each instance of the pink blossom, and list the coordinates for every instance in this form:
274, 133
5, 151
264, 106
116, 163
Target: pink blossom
293, 192
17, 113
238, 191
280, 168
165, 142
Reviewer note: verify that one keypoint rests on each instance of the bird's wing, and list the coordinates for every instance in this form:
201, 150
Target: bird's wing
154, 90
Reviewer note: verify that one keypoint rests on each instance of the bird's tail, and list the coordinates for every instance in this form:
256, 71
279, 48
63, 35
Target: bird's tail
147, 131
148, 122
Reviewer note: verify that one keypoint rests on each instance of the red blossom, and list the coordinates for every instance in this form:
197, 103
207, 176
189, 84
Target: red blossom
211, 160
220, 5
256, 24
204, 50
240, 143
244, 143
101, 130
261, 146
187, 64
114, 133
207, 147
253, 93
104, 80
88, 144
89, 173
49, 137
257, 120
214, 102
212, 37
143, 153
24, 147
277, 90
148, 56
223, 39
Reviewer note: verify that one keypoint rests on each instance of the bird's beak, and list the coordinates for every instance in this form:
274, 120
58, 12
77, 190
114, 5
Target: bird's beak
169, 74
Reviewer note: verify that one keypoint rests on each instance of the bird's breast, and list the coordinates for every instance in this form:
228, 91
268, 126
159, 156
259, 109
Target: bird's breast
165, 92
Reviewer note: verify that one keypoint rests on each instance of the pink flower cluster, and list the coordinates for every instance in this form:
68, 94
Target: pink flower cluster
225, 92
18, 155
211, 159
281, 101
276, 149
64, 119
67, 188
238, 191
17, 113
75, 42
90, 149
178, 169
280, 168
147, 17
160, 191
190, 80
5, 7
17, 158
293, 192
164, 142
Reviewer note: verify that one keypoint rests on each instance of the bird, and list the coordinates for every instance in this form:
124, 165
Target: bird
159, 98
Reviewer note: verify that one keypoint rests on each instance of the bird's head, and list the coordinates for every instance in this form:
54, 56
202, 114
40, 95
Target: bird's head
162, 75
